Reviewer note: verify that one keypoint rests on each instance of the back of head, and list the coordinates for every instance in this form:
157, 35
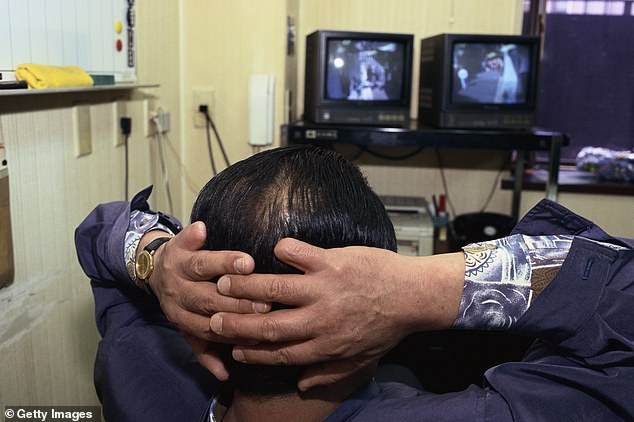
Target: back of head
305, 192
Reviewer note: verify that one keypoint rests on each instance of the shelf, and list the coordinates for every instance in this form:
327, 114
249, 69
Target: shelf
572, 181
71, 90
415, 134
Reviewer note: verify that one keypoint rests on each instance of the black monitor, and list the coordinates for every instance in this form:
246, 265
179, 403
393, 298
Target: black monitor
478, 81
358, 78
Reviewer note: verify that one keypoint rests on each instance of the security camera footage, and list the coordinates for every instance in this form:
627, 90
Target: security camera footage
490, 73
363, 70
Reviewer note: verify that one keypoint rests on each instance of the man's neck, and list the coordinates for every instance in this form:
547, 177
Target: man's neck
278, 409
314, 405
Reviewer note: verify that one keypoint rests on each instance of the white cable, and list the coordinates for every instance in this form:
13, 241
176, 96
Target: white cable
159, 140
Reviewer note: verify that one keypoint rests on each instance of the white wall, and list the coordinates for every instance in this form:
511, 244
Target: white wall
48, 338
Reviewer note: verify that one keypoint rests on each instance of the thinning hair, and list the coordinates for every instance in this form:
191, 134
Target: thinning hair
305, 192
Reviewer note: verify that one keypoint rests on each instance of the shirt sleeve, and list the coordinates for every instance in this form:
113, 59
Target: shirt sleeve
100, 240
580, 365
503, 277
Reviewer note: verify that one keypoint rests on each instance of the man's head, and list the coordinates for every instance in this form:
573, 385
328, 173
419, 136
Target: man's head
308, 193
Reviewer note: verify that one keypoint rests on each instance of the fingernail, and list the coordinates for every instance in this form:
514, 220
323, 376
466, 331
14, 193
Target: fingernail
261, 307
238, 355
224, 285
304, 386
215, 323
238, 265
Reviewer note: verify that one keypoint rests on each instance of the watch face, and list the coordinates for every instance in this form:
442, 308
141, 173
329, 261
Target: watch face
144, 265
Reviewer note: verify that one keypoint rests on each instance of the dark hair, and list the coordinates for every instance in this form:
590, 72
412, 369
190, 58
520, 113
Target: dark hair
305, 192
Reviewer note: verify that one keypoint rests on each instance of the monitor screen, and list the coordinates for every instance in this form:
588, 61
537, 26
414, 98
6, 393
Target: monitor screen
490, 73
365, 70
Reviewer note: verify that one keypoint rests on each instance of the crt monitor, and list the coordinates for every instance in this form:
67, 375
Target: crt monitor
478, 81
358, 78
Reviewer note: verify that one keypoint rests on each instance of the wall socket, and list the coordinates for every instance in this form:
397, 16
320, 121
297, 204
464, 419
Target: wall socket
119, 110
201, 96
164, 119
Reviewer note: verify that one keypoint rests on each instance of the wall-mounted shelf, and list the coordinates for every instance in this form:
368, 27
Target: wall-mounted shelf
82, 89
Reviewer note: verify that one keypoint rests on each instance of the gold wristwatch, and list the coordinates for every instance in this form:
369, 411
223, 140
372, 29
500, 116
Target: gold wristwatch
144, 265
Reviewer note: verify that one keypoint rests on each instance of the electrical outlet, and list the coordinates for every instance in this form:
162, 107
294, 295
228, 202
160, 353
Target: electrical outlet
119, 110
164, 121
81, 130
203, 96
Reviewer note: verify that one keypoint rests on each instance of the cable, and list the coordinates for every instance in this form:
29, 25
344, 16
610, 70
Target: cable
203, 110
211, 154
126, 172
213, 126
392, 157
358, 154
495, 185
444, 182
193, 187
125, 123
159, 140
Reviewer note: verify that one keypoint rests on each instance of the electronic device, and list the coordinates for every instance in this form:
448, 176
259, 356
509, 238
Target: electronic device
413, 226
358, 78
261, 109
478, 81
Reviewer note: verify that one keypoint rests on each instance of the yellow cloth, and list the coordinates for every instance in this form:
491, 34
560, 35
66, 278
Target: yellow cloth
43, 76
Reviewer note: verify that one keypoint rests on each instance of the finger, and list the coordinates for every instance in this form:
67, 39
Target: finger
325, 374
192, 238
197, 326
289, 289
203, 298
291, 353
208, 357
191, 324
300, 255
207, 265
275, 327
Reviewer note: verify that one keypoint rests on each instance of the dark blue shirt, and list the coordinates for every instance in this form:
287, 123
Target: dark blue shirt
580, 369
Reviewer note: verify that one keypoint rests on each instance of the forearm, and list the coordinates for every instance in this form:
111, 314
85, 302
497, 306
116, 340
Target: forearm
431, 297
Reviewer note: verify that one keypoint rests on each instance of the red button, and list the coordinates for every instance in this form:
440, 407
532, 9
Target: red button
119, 45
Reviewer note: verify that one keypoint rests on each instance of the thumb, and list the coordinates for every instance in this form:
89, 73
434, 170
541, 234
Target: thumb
192, 237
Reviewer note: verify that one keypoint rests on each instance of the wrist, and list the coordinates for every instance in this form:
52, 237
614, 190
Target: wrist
149, 237
434, 290
148, 260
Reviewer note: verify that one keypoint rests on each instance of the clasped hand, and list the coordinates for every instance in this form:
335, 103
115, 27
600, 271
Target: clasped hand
350, 306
